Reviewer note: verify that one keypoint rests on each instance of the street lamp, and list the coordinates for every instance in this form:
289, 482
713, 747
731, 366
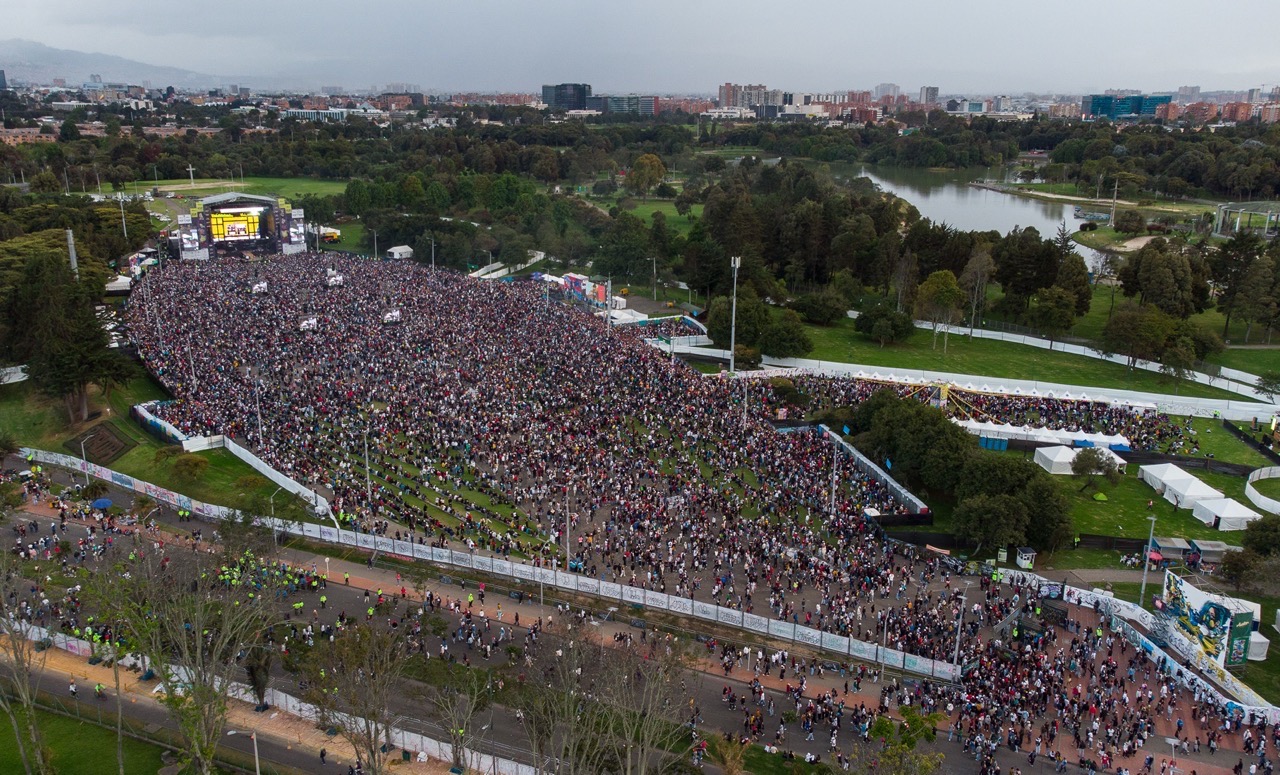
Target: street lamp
257, 768
735, 262
1146, 559
375, 242
85, 459
964, 599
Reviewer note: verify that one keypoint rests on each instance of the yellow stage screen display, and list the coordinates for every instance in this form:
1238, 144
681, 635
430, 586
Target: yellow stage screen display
233, 226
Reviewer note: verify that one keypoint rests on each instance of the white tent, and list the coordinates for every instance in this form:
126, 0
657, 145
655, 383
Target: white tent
1037, 434
1160, 475
1055, 460
1228, 513
1186, 493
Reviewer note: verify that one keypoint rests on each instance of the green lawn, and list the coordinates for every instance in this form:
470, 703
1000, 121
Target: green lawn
1268, 487
1102, 238
677, 223
39, 422
1124, 513
290, 188
81, 748
993, 359
352, 238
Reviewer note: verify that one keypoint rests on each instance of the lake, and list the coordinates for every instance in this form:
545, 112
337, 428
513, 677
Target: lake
945, 196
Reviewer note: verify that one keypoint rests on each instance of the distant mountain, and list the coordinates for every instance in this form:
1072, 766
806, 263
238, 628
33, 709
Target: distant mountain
25, 60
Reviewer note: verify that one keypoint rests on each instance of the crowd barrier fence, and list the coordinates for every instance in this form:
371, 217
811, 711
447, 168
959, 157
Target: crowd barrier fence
826, 642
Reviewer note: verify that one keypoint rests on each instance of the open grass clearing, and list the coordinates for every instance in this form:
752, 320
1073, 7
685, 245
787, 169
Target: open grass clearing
290, 188
992, 359
39, 422
82, 748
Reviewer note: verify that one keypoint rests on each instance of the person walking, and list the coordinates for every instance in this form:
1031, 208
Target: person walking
72, 687
323, 754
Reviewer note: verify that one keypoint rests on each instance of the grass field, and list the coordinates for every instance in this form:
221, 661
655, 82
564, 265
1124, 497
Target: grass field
352, 238
1267, 487
38, 422
290, 188
81, 748
991, 358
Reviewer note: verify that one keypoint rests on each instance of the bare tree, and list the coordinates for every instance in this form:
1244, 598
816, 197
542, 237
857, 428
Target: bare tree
21, 666
557, 702
351, 679
646, 694
191, 620
456, 704
974, 278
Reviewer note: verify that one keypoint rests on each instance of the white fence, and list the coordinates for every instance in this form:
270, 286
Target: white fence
1183, 405
202, 443
1261, 501
877, 473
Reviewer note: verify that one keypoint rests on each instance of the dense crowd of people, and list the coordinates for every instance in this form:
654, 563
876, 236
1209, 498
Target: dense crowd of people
496, 418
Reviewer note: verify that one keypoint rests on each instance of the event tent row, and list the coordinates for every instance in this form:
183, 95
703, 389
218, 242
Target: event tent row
1187, 492
1058, 460
1044, 435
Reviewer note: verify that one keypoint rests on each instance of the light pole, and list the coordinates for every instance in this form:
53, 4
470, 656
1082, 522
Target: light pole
85, 459
272, 502
735, 262
257, 768
1146, 559
375, 242
964, 599
655, 277
123, 226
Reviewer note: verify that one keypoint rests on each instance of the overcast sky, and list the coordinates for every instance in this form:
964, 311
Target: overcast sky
682, 46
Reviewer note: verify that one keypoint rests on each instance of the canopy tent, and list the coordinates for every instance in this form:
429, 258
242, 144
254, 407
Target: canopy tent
1225, 513
1159, 475
1186, 493
1055, 460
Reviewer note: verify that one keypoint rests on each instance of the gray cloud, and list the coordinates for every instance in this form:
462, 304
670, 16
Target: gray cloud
682, 45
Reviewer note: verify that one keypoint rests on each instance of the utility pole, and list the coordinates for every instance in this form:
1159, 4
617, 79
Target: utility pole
71, 253
1146, 560
1115, 189
734, 262
835, 461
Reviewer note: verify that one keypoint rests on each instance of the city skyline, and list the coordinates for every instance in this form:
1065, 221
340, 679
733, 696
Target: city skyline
666, 47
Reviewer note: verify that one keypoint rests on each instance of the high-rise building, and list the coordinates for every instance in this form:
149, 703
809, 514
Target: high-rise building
566, 96
1113, 106
732, 95
929, 95
3, 83
1188, 94
1255, 95
888, 90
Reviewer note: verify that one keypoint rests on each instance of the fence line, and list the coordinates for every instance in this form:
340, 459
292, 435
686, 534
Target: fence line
1261, 501
1185, 405
877, 473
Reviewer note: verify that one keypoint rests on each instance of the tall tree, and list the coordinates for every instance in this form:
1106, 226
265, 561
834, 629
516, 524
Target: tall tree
939, 300
647, 172
1073, 277
52, 327
1230, 266
1054, 312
